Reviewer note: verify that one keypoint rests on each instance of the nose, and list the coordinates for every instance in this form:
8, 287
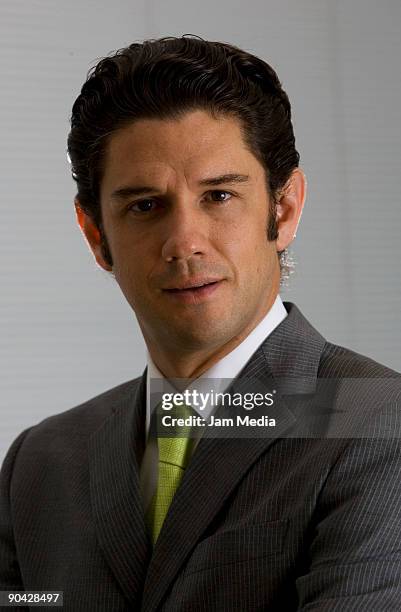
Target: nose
185, 234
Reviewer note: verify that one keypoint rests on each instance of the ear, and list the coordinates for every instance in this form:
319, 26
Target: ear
289, 208
92, 235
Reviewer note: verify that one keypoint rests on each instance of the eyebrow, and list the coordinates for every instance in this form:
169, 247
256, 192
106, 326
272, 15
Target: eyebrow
225, 178
129, 191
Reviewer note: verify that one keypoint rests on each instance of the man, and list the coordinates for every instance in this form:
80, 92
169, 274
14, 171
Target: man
189, 193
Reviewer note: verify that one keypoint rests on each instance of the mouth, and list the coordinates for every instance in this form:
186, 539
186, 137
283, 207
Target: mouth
194, 291
189, 286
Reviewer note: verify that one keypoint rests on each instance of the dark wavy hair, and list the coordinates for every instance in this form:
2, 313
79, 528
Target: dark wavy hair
165, 78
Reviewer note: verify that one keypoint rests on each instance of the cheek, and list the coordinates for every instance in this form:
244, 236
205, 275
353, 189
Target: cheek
130, 272
128, 255
248, 246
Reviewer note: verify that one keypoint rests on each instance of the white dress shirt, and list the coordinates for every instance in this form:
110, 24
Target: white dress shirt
217, 378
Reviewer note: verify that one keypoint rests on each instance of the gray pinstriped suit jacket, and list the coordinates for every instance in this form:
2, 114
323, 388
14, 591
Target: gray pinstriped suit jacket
271, 523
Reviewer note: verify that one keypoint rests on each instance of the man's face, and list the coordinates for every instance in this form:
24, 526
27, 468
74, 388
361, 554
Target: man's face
190, 250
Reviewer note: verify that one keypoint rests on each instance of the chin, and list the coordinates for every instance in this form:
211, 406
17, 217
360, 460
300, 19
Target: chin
201, 336
196, 339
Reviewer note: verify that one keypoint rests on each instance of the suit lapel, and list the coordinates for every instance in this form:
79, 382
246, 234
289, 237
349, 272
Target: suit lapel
290, 354
115, 451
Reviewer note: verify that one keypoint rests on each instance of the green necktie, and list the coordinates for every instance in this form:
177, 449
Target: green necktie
174, 455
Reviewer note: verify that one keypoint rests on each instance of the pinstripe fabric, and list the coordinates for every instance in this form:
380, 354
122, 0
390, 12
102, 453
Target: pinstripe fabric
279, 523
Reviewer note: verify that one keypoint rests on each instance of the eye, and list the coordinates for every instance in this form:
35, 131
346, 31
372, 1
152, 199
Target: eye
143, 206
216, 195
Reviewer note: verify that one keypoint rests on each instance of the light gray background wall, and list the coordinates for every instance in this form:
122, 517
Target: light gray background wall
66, 333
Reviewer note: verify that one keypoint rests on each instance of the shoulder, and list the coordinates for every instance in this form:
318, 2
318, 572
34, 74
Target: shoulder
359, 374
91, 413
72, 428
338, 360
365, 394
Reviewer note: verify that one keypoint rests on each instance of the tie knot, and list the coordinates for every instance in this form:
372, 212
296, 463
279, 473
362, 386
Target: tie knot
174, 429
177, 421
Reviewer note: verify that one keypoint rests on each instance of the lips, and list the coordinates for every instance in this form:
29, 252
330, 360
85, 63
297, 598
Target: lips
192, 284
194, 291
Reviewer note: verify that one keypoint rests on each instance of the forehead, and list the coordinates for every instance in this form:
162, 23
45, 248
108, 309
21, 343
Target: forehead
196, 144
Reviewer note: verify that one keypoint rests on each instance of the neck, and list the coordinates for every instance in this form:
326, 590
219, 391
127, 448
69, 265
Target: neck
185, 362
190, 364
